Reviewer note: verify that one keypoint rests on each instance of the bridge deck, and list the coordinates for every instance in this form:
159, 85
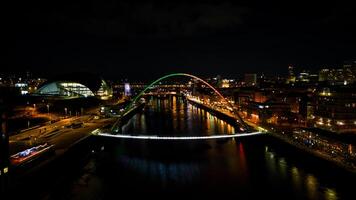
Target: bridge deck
155, 137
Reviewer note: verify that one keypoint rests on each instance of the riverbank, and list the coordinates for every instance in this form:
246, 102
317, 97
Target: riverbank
128, 115
228, 117
335, 159
319, 154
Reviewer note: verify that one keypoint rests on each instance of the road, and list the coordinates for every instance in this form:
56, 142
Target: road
60, 134
42, 130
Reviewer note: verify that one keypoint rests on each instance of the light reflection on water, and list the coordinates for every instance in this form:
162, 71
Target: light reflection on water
176, 117
330, 194
250, 167
296, 179
163, 172
302, 182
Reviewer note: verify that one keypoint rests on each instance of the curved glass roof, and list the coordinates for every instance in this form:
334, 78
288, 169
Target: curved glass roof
68, 89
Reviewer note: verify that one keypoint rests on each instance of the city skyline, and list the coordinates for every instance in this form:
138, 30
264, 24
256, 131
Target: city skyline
18, 76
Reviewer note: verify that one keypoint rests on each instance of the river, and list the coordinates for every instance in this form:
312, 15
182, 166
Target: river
257, 167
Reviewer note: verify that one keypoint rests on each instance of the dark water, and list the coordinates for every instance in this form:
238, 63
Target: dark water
244, 168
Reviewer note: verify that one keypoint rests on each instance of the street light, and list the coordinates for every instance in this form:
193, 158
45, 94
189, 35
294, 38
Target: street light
34, 109
48, 111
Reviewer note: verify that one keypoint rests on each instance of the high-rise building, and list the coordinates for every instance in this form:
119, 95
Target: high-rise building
324, 74
218, 81
339, 76
250, 79
349, 72
291, 74
303, 76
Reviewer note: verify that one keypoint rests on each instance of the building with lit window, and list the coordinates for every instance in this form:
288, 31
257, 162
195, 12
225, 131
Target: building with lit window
250, 79
335, 110
291, 74
105, 91
64, 89
340, 76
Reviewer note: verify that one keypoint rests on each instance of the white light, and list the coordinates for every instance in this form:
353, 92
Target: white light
95, 131
23, 92
155, 137
340, 123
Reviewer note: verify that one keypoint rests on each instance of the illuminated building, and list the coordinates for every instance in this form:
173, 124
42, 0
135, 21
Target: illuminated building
303, 77
245, 95
307, 77
323, 74
225, 83
65, 89
281, 105
335, 110
23, 88
291, 74
127, 89
349, 72
341, 76
105, 91
262, 112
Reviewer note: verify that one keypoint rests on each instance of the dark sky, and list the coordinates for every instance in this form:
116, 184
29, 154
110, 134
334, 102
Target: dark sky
146, 39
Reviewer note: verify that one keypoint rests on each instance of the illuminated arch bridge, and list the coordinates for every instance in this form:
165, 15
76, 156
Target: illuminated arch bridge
248, 130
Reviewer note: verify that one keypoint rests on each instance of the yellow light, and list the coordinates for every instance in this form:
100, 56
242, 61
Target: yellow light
330, 194
325, 93
320, 123
6, 169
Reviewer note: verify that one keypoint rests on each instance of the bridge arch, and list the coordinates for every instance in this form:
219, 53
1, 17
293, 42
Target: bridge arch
190, 76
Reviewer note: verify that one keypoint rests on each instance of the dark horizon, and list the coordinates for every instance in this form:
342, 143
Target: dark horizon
144, 40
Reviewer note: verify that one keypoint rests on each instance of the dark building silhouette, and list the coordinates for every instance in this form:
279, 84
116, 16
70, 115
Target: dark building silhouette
4, 149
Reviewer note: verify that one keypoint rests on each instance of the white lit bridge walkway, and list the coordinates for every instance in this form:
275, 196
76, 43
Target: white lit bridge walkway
156, 137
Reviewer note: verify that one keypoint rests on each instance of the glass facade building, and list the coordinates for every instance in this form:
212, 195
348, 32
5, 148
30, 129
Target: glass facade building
65, 89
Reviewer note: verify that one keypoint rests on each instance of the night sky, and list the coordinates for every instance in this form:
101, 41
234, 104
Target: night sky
146, 39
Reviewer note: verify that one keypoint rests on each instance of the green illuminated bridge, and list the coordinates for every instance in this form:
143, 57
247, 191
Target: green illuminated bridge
247, 130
